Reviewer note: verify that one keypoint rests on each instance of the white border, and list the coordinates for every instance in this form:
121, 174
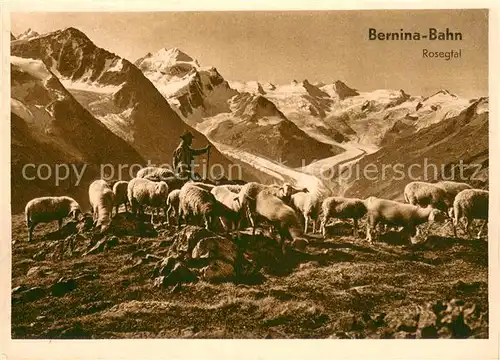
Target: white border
248, 349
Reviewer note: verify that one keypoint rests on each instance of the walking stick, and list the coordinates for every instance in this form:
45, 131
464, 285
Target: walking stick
208, 162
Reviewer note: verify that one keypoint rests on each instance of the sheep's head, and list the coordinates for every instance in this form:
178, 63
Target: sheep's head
75, 213
161, 187
287, 190
104, 225
437, 216
450, 212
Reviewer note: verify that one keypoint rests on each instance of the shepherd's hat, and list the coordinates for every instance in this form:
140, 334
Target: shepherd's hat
187, 135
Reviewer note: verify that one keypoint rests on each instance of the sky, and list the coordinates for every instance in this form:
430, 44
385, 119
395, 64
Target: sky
320, 46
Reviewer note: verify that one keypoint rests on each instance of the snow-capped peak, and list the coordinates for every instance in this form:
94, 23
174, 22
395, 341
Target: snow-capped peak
443, 93
165, 59
35, 68
174, 55
28, 34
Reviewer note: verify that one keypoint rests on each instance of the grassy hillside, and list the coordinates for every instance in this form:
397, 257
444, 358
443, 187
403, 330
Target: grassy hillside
341, 287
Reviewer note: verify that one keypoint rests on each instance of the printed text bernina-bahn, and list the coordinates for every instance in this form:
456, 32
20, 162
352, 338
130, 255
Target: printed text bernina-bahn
431, 34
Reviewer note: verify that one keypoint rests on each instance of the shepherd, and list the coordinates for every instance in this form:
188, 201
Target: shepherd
183, 157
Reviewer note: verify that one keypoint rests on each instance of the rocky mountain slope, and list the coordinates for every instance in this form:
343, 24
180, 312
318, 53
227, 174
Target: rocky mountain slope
194, 91
332, 113
28, 34
246, 121
459, 142
115, 91
257, 126
48, 126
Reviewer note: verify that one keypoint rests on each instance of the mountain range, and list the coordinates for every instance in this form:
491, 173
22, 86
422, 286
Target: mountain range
135, 112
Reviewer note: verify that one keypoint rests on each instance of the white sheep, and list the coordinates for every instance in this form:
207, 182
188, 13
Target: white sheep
249, 192
204, 186
154, 173
399, 214
49, 208
280, 215
197, 202
231, 200
142, 192
342, 208
227, 197
173, 182
231, 187
423, 194
102, 200
470, 204
120, 191
173, 204
453, 187
308, 204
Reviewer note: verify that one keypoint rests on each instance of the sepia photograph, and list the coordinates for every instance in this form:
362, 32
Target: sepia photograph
250, 174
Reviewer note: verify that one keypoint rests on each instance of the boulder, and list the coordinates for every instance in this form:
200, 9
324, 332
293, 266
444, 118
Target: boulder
126, 223
215, 248
63, 286
178, 275
217, 270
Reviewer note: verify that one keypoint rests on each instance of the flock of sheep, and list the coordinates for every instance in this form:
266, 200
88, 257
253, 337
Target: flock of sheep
230, 205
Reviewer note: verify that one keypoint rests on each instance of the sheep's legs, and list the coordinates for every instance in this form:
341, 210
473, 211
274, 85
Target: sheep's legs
323, 226
356, 234
179, 220
369, 233
31, 229
59, 223
412, 232
169, 212
481, 230
467, 227
306, 221
207, 222
252, 223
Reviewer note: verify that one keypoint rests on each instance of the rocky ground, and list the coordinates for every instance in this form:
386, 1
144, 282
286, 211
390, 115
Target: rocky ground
146, 282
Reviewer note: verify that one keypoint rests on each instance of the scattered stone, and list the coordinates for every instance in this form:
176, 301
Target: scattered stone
150, 258
217, 270
112, 242
159, 281
164, 243
215, 248
126, 223
33, 270
40, 255
179, 274
85, 224
176, 288
189, 331
103, 244
165, 266
39, 271
32, 294
63, 286
75, 331
300, 244
428, 332
66, 230
309, 265
403, 335
18, 289
139, 253
87, 276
